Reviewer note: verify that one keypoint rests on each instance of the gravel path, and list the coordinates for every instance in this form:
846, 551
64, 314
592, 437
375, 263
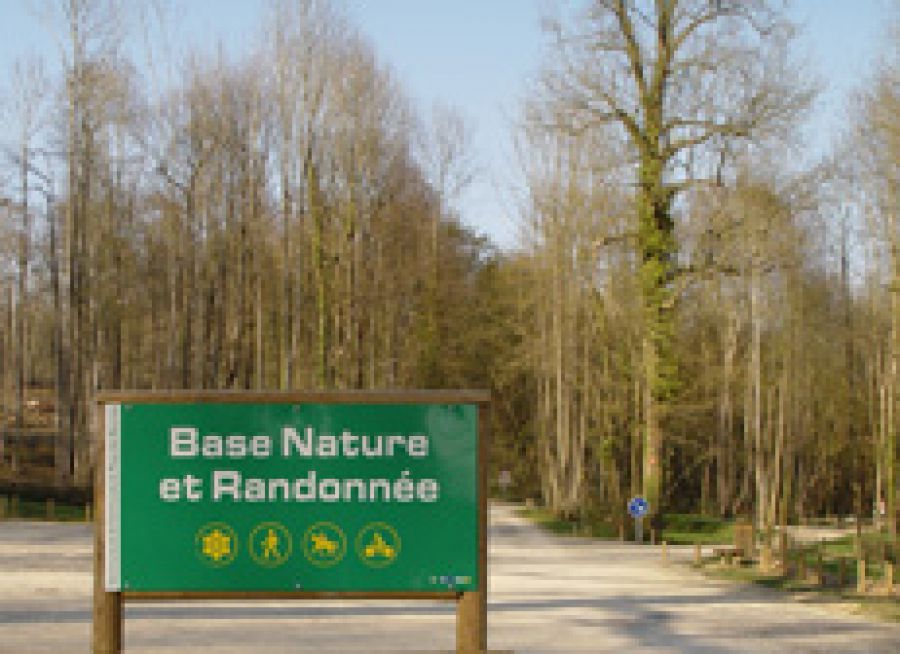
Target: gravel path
548, 595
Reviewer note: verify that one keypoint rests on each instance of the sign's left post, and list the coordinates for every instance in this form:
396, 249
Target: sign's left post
107, 622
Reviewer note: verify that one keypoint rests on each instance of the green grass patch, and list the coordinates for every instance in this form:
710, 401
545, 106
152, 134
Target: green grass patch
690, 528
681, 528
875, 545
546, 519
882, 608
36, 510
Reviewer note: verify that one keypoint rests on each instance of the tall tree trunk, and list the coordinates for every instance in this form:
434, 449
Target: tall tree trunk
315, 212
657, 245
63, 446
891, 456
725, 468
755, 378
21, 308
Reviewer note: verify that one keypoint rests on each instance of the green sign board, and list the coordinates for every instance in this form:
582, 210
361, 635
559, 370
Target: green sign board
291, 497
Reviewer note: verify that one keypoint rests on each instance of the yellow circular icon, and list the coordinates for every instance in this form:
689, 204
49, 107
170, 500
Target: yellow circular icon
270, 544
216, 544
378, 544
324, 544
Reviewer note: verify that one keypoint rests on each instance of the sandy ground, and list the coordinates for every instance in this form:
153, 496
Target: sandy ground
548, 594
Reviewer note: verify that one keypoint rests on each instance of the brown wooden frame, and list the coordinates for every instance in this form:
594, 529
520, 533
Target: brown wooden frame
471, 607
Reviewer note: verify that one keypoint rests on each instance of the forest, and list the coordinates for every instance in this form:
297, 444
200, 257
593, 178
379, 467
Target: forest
695, 311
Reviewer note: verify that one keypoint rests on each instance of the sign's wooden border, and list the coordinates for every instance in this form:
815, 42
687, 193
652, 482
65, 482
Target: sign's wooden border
471, 607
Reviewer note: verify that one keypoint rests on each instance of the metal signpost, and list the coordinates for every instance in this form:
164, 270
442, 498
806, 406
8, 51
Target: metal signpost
637, 509
368, 495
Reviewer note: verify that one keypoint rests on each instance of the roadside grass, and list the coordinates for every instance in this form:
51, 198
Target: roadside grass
690, 528
880, 607
838, 561
35, 510
546, 519
839, 558
680, 529
875, 545
687, 529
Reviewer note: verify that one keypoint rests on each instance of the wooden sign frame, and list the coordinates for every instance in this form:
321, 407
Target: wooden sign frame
471, 607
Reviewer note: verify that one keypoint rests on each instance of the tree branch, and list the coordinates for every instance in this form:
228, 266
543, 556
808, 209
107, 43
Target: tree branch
633, 50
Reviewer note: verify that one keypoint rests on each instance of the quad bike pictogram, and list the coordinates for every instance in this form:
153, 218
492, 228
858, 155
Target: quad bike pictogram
378, 547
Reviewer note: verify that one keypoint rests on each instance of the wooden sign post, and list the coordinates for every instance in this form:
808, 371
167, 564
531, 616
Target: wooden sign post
351, 495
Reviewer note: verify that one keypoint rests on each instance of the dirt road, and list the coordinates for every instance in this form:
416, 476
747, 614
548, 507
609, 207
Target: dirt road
548, 595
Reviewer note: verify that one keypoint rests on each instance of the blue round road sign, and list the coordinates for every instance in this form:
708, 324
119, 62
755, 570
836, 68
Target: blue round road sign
638, 507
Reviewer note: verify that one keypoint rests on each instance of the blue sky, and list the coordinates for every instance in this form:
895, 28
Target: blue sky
476, 55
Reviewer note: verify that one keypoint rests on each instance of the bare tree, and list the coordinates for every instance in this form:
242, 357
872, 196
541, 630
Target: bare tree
877, 144
678, 79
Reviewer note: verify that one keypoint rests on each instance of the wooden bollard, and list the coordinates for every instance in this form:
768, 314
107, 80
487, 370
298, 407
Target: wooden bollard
765, 557
783, 546
653, 535
664, 551
698, 558
3, 502
14, 506
87, 512
861, 576
50, 510
787, 567
622, 531
801, 567
889, 578
820, 568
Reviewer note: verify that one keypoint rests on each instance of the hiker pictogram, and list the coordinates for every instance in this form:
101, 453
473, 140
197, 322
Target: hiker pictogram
270, 548
270, 544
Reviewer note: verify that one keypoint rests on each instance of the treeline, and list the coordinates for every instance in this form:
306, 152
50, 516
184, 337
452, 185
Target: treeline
283, 221
690, 315
710, 324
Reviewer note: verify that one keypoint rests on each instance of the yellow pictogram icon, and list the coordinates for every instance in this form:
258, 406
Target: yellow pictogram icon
378, 545
270, 544
324, 544
216, 544
379, 548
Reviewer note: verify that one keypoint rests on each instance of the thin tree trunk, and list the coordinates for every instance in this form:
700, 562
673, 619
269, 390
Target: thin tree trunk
62, 449
21, 308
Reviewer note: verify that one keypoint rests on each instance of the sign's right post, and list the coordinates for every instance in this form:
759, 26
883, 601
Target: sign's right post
471, 608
